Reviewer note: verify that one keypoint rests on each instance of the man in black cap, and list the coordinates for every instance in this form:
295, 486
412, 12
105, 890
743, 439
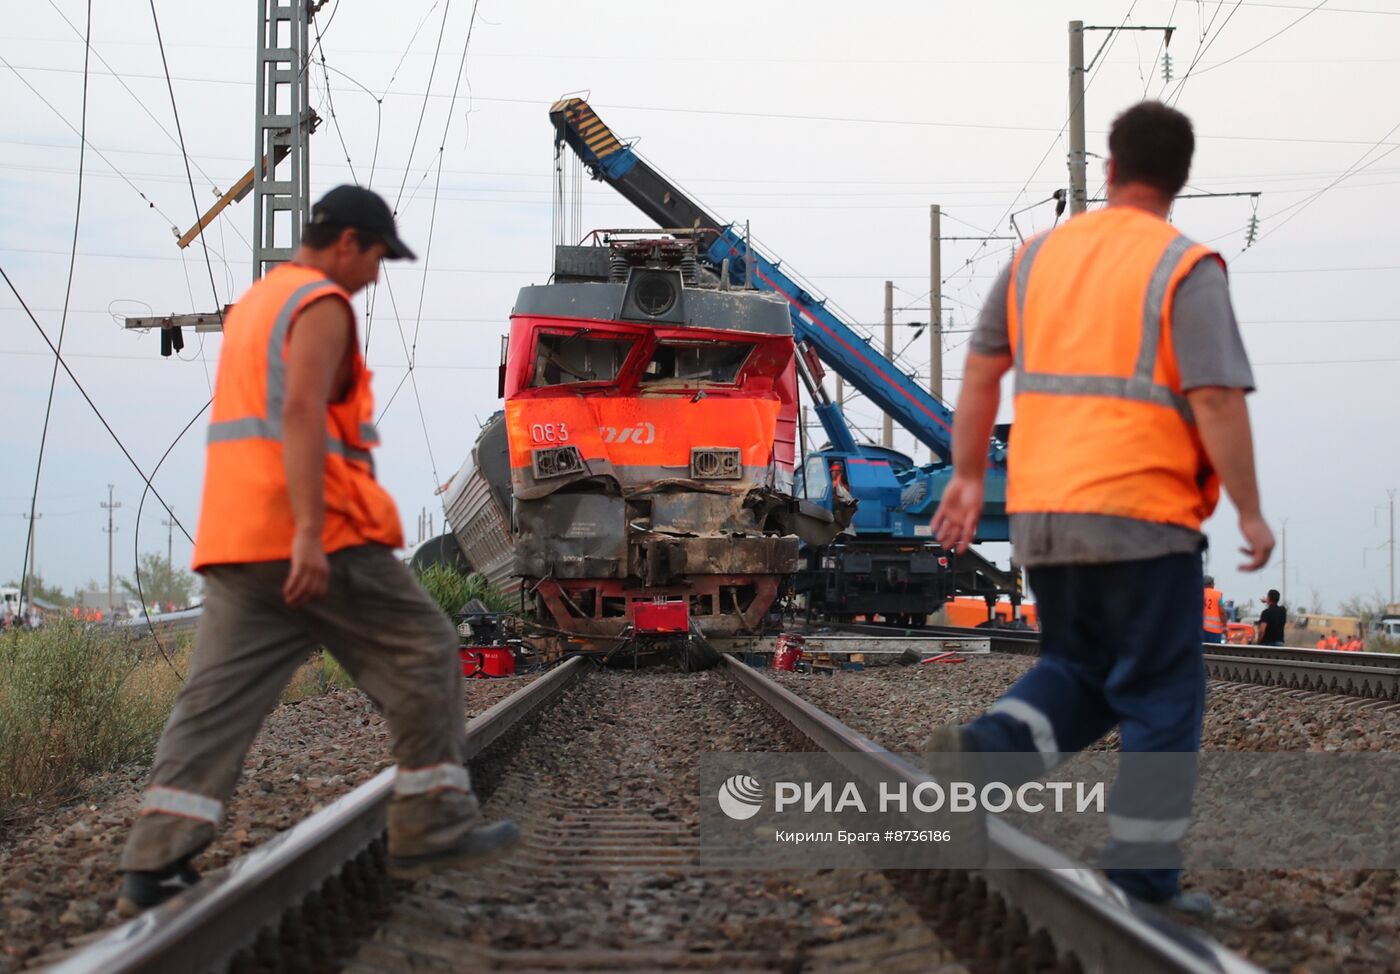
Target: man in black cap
296, 544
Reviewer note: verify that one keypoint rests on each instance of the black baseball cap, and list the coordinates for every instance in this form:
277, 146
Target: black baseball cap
363, 209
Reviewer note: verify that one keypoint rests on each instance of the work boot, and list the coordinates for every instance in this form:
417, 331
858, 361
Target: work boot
142, 890
437, 831
947, 756
1190, 906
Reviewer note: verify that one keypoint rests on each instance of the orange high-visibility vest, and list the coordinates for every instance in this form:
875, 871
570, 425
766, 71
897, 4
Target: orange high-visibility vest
246, 513
1101, 424
1213, 621
1333, 642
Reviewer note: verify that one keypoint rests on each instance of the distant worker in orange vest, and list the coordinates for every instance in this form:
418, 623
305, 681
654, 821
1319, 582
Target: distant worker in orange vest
1130, 383
1213, 620
1354, 645
296, 544
1322, 643
1334, 641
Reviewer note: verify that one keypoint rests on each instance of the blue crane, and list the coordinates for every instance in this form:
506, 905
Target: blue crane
889, 565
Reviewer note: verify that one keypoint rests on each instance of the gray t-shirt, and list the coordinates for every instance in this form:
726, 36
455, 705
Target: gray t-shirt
1209, 352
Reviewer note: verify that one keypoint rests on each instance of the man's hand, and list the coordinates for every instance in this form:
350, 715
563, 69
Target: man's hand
955, 523
310, 571
1259, 542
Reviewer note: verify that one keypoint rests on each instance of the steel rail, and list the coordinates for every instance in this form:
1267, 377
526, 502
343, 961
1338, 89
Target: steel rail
205, 927
1083, 913
1373, 676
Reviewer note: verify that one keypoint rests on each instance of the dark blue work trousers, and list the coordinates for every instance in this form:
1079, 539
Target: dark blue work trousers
1120, 646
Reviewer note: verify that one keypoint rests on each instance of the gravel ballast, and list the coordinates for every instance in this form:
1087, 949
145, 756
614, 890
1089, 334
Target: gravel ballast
59, 860
1301, 922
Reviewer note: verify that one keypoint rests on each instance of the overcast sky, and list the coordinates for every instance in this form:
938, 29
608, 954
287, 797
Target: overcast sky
830, 126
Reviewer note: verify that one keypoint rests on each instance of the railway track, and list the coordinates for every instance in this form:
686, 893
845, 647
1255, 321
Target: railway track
1371, 676
600, 769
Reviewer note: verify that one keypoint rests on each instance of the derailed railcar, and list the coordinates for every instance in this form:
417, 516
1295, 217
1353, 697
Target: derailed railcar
649, 432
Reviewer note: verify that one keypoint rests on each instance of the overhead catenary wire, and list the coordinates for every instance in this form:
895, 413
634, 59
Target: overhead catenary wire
150, 204
67, 295
1283, 30
151, 115
24, 306
194, 203
136, 541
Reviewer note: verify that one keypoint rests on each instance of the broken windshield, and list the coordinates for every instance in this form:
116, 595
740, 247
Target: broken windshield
697, 362
578, 357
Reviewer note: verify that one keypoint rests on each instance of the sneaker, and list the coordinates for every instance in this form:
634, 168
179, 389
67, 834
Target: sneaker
480, 845
142, 890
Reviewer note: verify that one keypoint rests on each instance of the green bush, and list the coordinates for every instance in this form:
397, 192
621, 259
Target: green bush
318, 675
75, 699
452, 589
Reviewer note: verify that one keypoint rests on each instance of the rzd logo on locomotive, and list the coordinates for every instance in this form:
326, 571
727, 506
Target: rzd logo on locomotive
643, 434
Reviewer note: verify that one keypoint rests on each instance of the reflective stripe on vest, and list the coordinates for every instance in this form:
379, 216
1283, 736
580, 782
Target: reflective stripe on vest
270, 427
435, 777
1213, 622
186, 804
1140, 387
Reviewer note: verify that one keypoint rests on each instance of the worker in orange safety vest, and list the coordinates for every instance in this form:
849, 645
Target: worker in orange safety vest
296, 543
1130, 415
1213, 620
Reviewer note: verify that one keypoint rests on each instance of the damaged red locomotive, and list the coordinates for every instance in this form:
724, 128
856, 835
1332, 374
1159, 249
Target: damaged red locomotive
639, 478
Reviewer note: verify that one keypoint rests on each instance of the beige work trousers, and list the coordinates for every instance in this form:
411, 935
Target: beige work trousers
375, 619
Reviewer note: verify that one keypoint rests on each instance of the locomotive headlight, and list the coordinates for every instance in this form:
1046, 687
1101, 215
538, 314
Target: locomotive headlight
655, 294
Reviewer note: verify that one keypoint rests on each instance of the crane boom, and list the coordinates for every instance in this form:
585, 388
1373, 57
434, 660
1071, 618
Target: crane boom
844, 350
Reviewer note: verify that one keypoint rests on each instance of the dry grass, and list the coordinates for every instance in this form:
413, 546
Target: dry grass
75, 699
78, 699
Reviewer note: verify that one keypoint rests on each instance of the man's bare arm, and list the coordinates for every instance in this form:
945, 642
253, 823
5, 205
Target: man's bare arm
315, 350
1222, 418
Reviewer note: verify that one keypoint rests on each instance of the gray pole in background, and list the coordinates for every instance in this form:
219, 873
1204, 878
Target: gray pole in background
1078, 160
1284, 531
169, 547
31, 519
1391, 494
935, 306
802, 439
109, 506
887, 434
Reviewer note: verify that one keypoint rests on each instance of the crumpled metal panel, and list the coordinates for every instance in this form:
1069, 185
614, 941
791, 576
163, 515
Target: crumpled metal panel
571, 535
661, 561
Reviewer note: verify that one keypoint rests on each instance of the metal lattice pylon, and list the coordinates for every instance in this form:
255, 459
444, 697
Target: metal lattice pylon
283, 122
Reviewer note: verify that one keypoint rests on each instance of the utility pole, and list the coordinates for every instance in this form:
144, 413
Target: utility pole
1078, 159
887, 434
109, 506
31, 520
1391, 543
935, 305
169, 547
